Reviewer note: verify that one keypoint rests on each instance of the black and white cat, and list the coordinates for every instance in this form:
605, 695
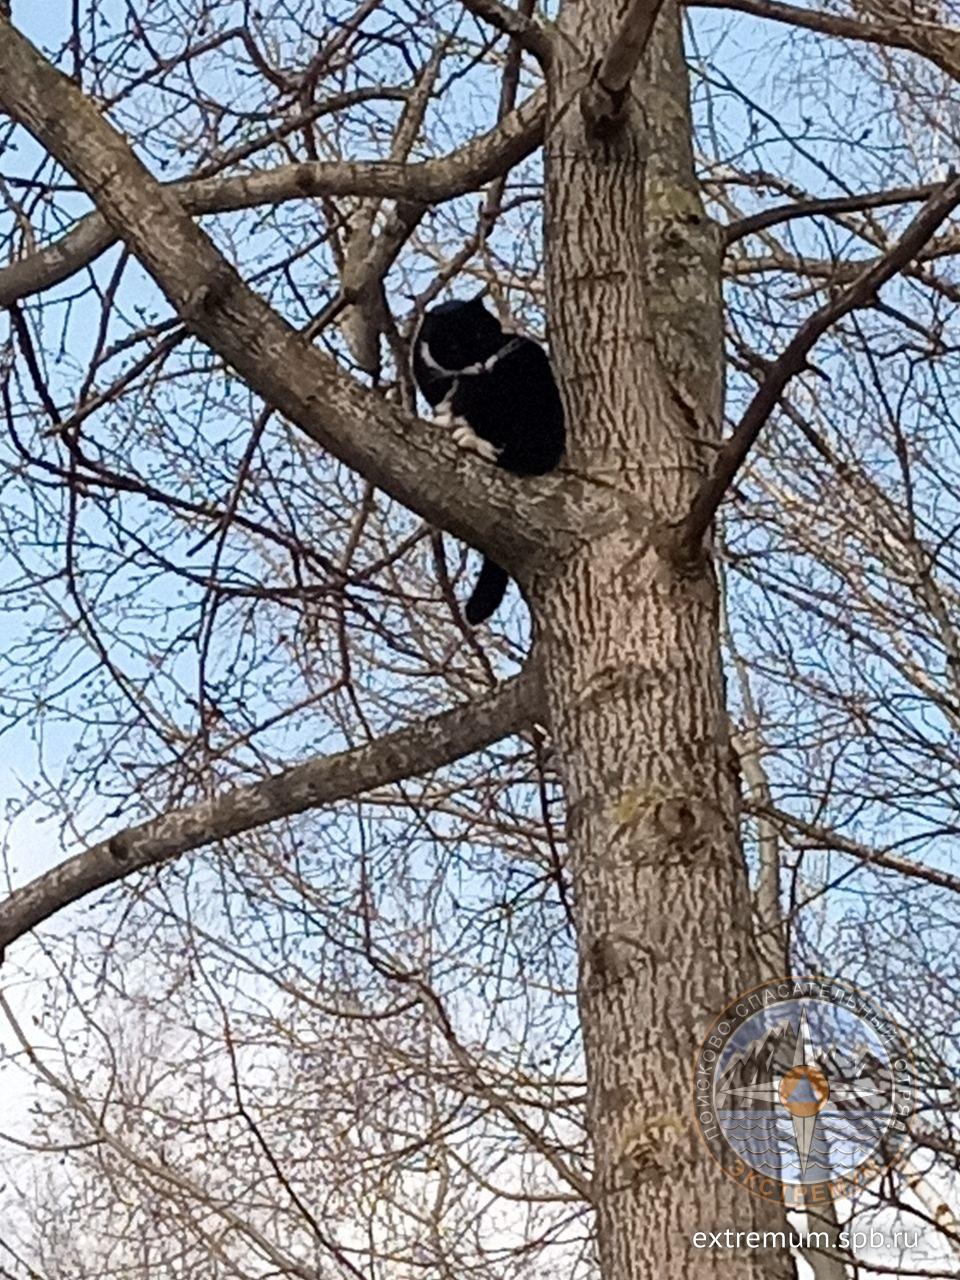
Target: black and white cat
497, 391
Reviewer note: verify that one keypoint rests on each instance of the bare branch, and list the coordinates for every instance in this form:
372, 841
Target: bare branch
794, 360
427, 182
518, 521
823, 837
528, 33
324, 780
435, 1011
604, 97
161, 1170
939, 44
828, 206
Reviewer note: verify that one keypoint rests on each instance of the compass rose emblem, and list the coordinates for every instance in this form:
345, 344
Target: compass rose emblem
803, 1084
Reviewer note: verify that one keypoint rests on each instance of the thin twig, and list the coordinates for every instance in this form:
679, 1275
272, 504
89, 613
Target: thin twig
831, 205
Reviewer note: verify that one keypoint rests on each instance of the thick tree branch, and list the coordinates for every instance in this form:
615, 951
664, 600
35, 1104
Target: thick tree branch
941, 45
427, 182
520, 522
604, 97
325, 780
690, 532
527, 32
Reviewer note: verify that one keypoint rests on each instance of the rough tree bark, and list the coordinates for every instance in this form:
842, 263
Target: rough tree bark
630, 643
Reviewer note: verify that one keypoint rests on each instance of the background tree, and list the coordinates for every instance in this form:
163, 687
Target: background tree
426, 994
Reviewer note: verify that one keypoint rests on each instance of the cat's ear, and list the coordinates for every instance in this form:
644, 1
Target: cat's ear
479, 300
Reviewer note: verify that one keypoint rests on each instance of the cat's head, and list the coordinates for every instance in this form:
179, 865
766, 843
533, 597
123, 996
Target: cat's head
460, 333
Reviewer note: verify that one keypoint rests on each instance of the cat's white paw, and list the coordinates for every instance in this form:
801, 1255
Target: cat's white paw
466, 438
443, 415
464, 435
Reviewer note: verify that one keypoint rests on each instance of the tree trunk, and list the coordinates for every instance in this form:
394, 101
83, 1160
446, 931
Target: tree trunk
630, 642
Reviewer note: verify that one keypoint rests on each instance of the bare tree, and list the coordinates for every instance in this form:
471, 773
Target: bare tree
429, 999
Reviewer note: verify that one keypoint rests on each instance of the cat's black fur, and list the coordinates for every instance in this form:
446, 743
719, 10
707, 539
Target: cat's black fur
511, 406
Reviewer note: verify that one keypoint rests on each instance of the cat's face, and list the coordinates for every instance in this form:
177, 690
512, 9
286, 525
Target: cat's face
460, 333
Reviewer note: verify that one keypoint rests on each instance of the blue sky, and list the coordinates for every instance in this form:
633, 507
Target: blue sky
825, 122
844, 114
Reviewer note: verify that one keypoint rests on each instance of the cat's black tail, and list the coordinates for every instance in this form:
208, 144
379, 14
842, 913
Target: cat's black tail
487, 594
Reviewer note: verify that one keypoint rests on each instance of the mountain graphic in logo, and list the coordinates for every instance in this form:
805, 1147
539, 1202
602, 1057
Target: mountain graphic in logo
801, 1090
